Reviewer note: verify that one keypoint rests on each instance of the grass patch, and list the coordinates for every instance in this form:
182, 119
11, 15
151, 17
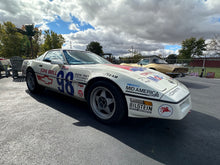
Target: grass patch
199, 70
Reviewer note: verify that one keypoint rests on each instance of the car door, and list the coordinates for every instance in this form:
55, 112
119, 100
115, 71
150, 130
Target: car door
48, 70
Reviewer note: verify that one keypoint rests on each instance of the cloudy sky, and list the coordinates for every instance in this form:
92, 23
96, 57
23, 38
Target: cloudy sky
149, 26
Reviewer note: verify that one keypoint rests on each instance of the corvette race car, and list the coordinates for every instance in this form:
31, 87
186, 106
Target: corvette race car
112, 91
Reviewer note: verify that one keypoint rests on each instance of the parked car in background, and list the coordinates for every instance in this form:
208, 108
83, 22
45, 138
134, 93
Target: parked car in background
156, 63
1, 58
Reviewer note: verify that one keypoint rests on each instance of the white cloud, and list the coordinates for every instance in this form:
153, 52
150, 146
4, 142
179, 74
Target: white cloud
73, 27
44, 27
112, 43
144, 24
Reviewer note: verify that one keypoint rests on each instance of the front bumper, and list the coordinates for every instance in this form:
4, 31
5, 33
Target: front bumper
143, 108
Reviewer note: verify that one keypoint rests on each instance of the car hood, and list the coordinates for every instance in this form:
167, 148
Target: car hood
146, 82
140, 75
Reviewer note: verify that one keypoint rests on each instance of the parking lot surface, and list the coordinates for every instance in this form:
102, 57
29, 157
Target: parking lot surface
49, 128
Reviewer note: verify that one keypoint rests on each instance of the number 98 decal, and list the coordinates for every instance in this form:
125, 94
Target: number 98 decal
65, 84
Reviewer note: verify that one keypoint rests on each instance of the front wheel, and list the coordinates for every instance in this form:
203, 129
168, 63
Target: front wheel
107, 102
31, 81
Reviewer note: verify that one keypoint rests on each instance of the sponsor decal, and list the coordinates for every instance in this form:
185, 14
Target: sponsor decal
134, 69
65, 67
155, 78
137, 69
136, 89
81, 85
45, 79
81, 77
111, 75
43, 70
81, 88
173, 92
141, 106
133, 85
80, 93
144, 79
146, 73
165, 110
50, 72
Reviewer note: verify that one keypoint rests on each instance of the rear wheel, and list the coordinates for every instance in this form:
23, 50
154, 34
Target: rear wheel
107, 102
31, 82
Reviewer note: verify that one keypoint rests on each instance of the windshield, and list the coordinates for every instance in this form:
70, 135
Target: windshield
144, 62
159, 61
78, 58
41, 57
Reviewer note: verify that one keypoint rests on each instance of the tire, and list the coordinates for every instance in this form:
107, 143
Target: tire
107, 102
31, 82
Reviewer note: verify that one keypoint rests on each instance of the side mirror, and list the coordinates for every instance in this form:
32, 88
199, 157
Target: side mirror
140, 63
58, 62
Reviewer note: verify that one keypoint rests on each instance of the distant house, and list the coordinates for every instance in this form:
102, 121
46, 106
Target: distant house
152, 56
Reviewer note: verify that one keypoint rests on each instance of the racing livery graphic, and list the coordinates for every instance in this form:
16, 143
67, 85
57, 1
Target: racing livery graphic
45, 79
112, 91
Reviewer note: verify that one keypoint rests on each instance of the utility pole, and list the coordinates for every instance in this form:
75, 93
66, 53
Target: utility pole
70, 44
131, 51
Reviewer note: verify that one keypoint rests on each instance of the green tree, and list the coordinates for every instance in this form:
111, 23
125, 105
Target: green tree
52, 40
31, 40
192, 47
95, 47
137, 57
11, 41
213, 46
171, 59
25, 46
36, 42
29, 31
131, 59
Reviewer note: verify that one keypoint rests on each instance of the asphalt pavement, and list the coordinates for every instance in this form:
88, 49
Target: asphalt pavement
49, 128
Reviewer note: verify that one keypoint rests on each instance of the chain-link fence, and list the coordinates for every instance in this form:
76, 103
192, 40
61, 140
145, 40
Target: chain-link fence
197, 66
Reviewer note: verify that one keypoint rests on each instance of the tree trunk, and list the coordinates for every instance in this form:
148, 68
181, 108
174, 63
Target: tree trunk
30, 39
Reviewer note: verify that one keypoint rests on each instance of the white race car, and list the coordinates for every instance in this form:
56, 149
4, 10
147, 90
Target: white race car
112, 91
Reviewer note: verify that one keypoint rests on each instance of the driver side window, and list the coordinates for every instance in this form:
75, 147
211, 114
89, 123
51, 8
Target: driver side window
53, 55
144, 62
155, 61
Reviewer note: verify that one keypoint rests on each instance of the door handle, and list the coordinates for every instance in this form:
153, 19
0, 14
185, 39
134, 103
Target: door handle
40, 65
